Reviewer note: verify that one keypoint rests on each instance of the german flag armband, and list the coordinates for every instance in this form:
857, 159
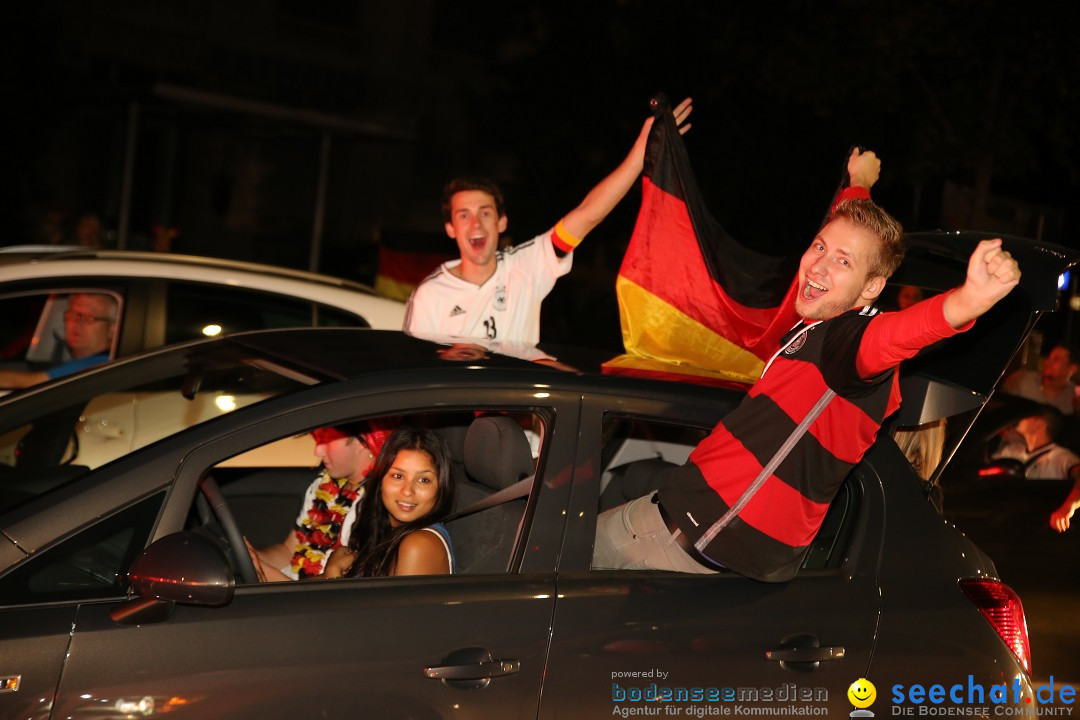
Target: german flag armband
563, 240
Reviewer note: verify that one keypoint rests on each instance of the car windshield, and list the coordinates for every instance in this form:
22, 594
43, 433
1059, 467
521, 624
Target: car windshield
59, 433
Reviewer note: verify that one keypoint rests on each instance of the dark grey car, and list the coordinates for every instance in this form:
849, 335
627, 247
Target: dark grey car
125, 590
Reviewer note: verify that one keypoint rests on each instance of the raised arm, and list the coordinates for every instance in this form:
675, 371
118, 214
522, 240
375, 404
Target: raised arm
991, 275
893, 337
603, 198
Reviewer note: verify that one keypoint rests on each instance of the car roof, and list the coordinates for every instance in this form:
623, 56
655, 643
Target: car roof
130, 261
25, 267
328, 355
343, 353
347, 353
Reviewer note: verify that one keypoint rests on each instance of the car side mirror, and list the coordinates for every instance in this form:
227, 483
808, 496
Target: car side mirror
184, 567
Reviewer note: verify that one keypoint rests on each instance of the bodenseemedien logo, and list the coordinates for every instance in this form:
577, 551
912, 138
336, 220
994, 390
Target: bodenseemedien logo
654, 692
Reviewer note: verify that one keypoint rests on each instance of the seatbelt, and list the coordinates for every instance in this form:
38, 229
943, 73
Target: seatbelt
1031, 459
519, 489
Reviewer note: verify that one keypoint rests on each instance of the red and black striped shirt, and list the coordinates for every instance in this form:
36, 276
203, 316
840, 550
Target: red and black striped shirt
845, 365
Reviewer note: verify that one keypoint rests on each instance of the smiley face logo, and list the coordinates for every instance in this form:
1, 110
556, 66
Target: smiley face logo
862, 693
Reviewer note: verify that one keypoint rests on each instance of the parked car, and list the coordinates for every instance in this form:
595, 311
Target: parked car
125, 589
166, 298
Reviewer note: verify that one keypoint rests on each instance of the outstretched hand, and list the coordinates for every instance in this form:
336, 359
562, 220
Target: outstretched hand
991, 274
603, 198
1059, 519
992, 271
864, 168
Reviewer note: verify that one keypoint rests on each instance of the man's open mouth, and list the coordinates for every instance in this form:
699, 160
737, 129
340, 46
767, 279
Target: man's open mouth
813, 290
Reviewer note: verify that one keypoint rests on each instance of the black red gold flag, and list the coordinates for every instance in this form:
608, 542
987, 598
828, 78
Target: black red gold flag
691, 298
407, 258
694, 303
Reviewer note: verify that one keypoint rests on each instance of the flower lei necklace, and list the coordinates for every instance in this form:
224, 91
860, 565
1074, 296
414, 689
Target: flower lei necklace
319, 532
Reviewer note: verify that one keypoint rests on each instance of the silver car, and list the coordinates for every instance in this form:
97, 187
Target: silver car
167, 298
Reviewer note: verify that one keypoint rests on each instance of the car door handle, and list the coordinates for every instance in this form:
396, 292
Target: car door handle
805, 654
473, 671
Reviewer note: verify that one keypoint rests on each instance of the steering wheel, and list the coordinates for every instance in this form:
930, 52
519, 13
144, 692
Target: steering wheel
216, 502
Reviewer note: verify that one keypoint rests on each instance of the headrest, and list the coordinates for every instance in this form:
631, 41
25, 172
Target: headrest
497, 452
454, 435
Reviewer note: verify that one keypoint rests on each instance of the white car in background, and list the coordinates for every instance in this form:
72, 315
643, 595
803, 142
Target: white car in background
167, 298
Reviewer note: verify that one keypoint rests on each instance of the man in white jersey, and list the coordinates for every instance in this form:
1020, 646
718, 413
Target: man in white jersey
496, 294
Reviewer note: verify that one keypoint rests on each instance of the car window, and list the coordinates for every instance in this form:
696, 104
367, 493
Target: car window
197, 310
829, 548
56, 438
89, 565
638, 455
491, 451
21, 314
33, 335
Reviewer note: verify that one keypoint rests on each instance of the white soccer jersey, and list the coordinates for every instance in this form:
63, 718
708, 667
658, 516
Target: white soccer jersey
506, 307
1050, 462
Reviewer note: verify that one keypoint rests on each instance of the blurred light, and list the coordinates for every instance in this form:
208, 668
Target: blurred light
211, 330
1063, 280
225, 403
141, 706
541, 395
992, 470
1074, 302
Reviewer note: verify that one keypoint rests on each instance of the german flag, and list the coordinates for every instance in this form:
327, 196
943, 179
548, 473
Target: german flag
695, 304
405, 259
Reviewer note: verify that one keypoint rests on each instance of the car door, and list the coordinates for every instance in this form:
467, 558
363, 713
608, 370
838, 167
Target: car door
709, 643
40, 598
347, 648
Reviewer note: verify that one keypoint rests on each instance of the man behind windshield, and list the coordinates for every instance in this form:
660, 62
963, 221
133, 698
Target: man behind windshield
89, 323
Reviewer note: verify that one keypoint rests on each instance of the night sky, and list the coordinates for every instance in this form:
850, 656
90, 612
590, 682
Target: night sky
548, 97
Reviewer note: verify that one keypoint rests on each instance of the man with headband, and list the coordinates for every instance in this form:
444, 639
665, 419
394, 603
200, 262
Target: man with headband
347, 452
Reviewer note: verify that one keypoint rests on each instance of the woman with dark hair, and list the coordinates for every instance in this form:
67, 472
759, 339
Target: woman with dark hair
397, 531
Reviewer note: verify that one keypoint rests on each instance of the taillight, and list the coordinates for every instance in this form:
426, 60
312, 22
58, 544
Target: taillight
1002, 607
